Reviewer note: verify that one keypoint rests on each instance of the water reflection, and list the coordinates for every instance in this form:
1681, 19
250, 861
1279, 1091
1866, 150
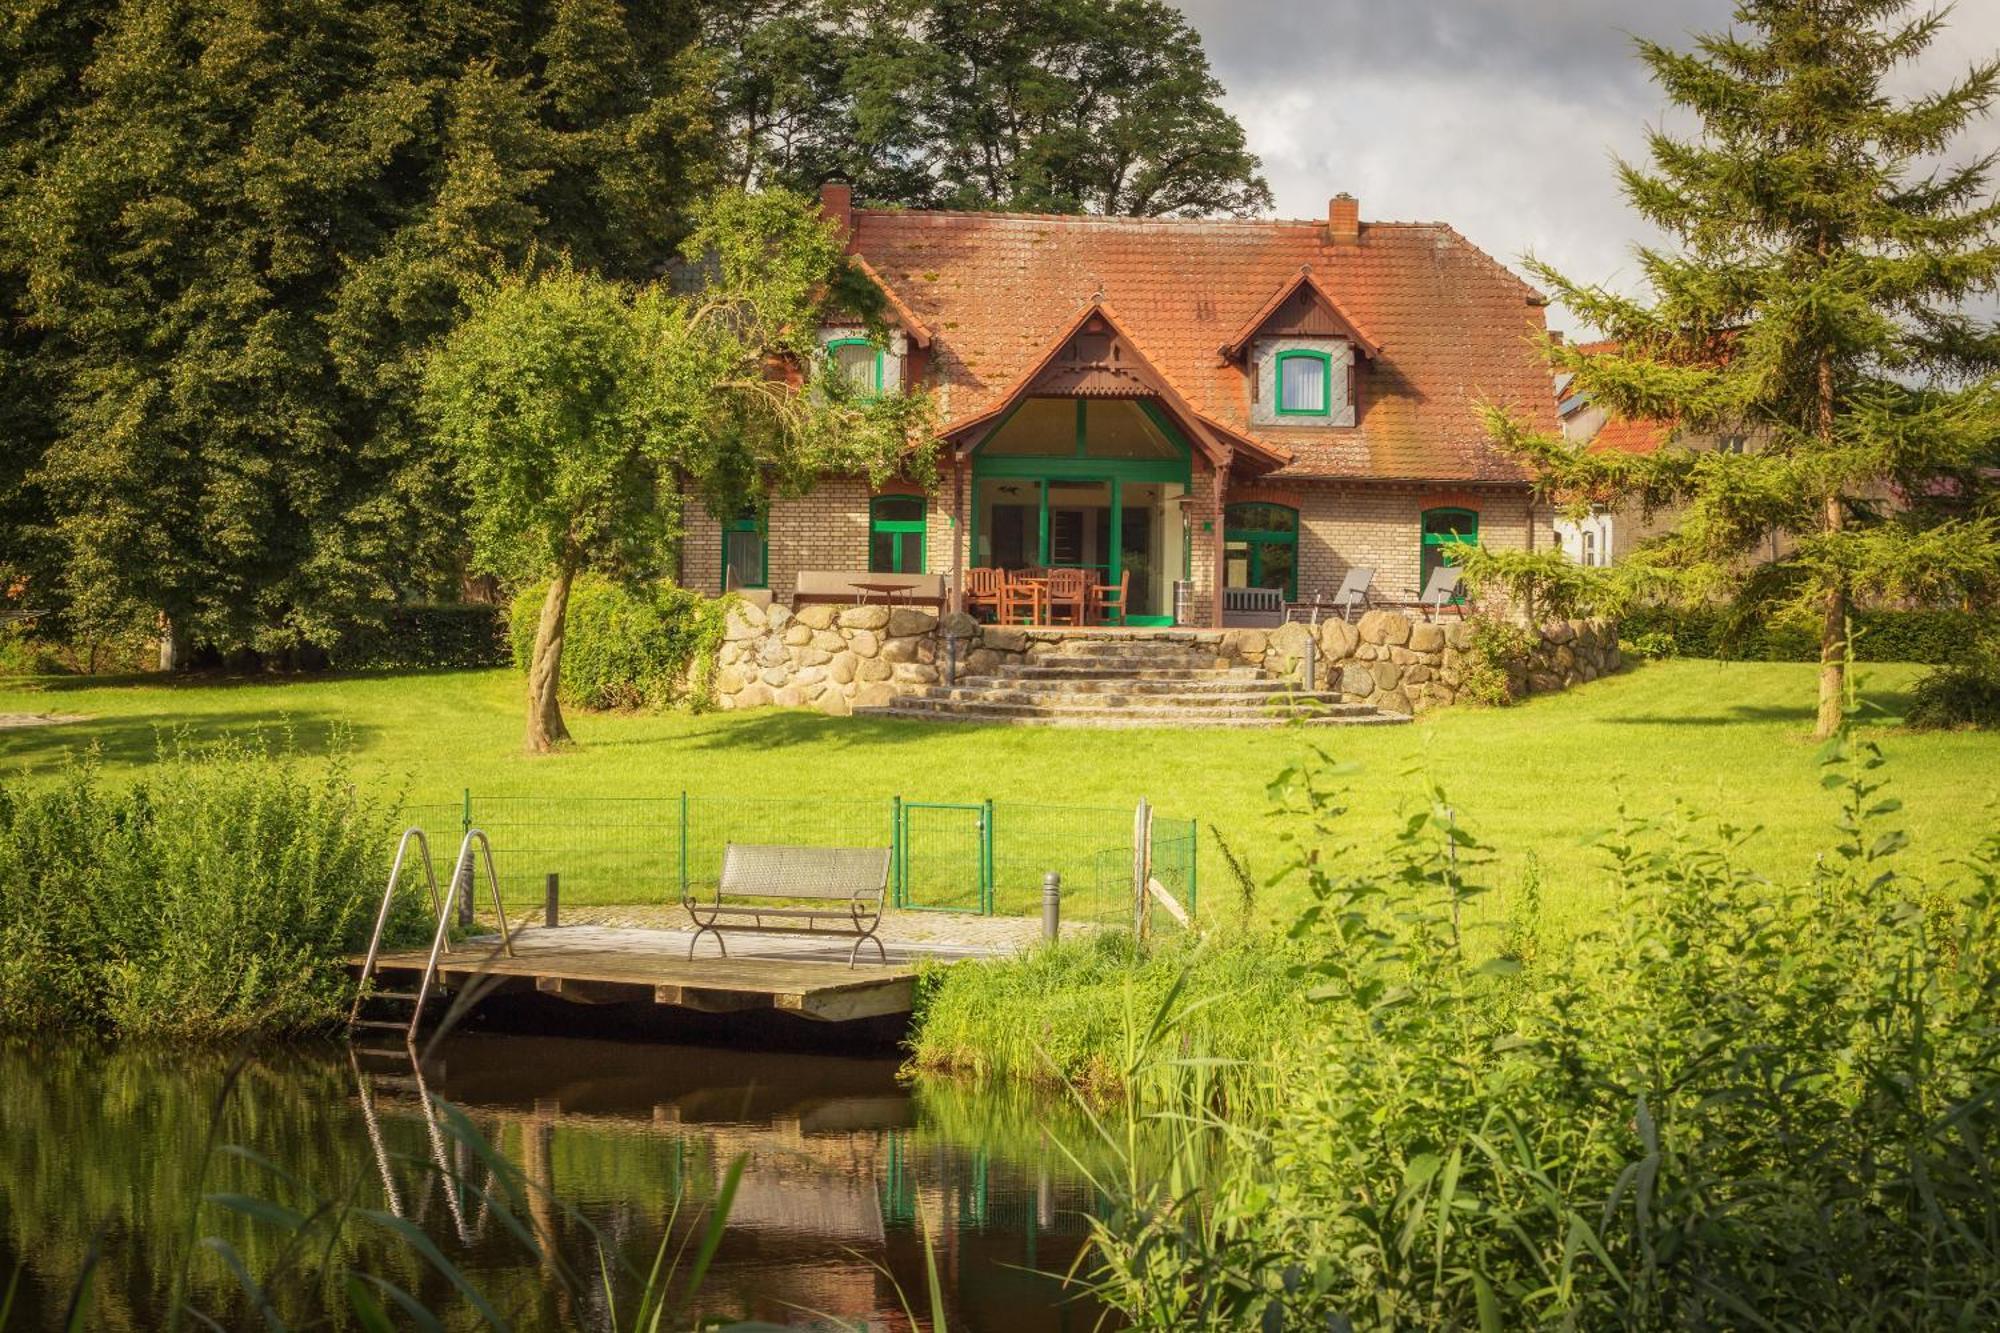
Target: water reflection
845, 1169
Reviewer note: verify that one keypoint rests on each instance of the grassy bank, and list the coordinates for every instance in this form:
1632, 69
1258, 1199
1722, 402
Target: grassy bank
1731, 737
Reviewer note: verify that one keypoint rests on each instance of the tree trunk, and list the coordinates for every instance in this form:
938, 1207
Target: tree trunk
545, 719
170, 644
1833, 619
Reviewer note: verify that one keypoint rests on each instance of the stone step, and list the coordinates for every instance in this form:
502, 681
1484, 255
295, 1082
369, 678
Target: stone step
1163, 705
1062, 673
1121, 663
935, 711
1127, 685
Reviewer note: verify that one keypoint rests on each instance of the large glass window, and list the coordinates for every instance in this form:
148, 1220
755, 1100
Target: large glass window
746, 554
859, 362
1305, 383
1260, 548
1444, 528
896, 534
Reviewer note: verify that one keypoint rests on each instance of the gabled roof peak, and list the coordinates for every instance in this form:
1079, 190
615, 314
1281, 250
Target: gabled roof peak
1369, 347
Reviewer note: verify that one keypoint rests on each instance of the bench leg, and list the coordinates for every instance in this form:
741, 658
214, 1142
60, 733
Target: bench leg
869, 938
707, 930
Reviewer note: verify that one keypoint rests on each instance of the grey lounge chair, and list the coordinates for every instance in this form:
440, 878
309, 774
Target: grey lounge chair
1354, 591
1440, 590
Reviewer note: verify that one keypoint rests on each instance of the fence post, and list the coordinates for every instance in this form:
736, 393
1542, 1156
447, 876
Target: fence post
901, 894
551, 911
1142, 855
986, 858
684, 844
462, 887
1051, 906
1194, 843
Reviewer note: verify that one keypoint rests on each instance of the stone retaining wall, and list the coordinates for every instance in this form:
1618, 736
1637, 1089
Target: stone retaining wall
837, 659
1406, 665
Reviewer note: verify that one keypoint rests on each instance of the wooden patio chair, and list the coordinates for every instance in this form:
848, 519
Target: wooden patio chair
1020, 600
982, 591
1068, 595
1107, 600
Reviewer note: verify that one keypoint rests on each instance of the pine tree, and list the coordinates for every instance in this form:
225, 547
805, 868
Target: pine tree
1818, 302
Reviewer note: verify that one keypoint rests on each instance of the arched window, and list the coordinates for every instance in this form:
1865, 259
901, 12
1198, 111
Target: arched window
896, 534
1305, 383
746, 553
1443, 528
1260, 548
859, 362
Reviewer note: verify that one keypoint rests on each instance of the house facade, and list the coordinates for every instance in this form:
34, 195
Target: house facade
1187, 406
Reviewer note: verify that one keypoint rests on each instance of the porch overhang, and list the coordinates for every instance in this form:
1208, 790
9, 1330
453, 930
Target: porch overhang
1094, 356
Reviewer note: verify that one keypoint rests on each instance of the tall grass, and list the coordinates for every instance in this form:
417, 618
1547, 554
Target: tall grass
1745, 1103
213, 898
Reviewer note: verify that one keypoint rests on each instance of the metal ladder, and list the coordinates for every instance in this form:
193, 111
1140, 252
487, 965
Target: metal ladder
461, 873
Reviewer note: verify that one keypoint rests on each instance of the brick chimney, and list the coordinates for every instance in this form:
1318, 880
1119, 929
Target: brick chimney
1343, 220
836, 205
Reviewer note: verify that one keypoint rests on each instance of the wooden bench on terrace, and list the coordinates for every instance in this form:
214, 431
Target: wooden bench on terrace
840, 886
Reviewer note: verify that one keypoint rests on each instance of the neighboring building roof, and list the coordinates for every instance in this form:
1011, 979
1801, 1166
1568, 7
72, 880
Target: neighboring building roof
1618, 435
1455, 328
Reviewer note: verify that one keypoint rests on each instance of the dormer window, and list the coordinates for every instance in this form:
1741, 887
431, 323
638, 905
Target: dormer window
859, 362
1305, 383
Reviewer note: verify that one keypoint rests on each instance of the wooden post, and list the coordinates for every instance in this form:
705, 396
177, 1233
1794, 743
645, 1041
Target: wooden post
551, 910
1142, 866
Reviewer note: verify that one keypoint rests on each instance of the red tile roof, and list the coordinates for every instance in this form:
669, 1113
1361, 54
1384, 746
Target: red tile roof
1456, 328
1620, 436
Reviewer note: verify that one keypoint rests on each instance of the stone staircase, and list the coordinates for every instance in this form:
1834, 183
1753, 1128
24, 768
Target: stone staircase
1106, 681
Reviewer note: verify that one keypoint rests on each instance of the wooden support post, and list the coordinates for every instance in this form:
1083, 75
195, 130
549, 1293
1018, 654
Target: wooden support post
551, 909
1142, 866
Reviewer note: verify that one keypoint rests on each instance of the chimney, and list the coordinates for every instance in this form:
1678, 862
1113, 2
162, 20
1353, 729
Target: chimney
1343, 220
836, 205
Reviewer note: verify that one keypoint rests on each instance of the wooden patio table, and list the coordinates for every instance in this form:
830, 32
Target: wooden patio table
888, 591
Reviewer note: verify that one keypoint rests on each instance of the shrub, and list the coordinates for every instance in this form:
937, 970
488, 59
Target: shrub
1495, 660
1964, 694
1733, 634
1747, 1104
215, 898
645, 646
468, 634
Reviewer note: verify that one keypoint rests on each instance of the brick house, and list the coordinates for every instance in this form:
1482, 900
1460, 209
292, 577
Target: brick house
1196, 404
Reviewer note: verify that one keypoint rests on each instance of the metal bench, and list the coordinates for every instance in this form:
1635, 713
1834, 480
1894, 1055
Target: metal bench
790, 883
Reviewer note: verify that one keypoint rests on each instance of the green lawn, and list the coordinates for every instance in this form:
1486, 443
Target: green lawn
1727, 738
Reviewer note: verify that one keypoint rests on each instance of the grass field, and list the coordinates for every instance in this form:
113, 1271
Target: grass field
1727, 738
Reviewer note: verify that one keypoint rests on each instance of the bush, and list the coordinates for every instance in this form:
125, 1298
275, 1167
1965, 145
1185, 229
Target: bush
216, 898
1729, 634
1747, 1104
468, 634
1496, 658
1964, 694
649, 646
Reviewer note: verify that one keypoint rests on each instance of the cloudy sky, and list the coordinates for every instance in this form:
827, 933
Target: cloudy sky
1500, 117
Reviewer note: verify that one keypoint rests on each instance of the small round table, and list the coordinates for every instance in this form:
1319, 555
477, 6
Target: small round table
889, 591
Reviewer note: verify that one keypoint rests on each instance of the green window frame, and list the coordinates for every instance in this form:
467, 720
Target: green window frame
735, 527
900, 539
833, 346
1450, 525
1325, 359
1264, 529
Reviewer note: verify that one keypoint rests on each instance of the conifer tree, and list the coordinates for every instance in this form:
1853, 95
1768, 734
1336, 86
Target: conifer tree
1821, 301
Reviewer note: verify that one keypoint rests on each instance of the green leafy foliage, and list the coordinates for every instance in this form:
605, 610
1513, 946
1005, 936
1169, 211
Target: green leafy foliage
1744, 1103
462, 634
1496, 661
1061, 106
1965, 693
629, 646
1740, 634
1822, 300
216, 897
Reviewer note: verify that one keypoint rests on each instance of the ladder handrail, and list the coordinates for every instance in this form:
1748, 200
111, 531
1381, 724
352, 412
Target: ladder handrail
461, 869
388, 898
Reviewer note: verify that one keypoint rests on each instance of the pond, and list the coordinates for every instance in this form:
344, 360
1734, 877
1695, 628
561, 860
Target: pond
845, 1170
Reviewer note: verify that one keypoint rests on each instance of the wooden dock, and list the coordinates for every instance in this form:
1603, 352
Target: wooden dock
607, 965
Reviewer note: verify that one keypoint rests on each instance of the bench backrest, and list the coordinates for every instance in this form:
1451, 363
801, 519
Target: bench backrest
753, 870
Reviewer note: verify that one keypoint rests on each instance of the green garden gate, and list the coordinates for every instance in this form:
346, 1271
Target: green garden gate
943, 857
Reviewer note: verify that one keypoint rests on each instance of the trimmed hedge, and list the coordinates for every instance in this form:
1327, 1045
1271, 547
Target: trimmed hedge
1930, 637
627, 647
468, 634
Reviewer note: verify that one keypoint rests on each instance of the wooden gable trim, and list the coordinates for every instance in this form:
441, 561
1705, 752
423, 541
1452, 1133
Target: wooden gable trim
1343, 322
906, 318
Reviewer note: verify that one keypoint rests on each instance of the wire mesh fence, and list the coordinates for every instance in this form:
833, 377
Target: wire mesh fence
644, 852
